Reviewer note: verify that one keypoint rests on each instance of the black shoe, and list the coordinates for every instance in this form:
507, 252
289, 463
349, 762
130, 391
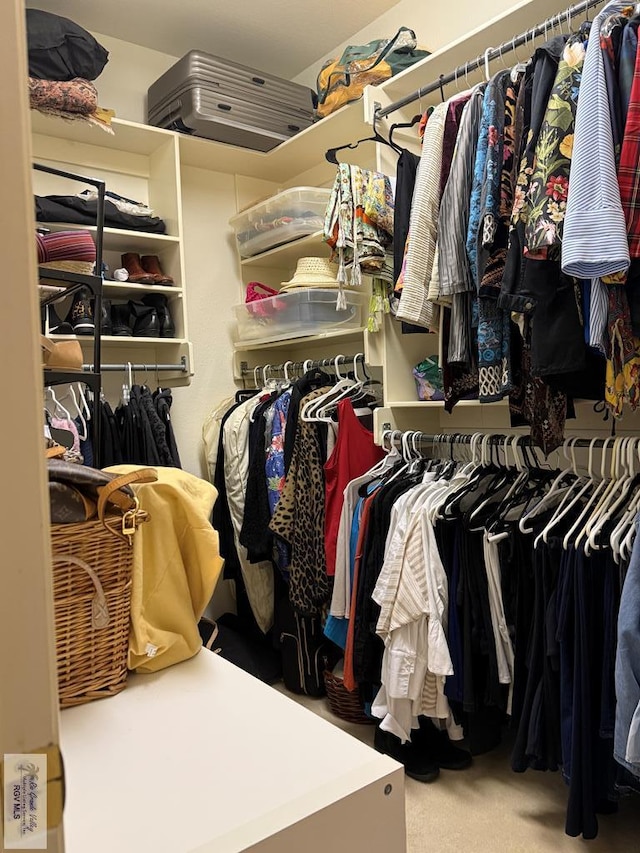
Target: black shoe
436, 744
81, 313
56, 325
121, 320
106, 326
159, 302
416, 764
146, 323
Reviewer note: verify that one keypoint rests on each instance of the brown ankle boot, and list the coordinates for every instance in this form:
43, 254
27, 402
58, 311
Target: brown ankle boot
137, 275
151, 264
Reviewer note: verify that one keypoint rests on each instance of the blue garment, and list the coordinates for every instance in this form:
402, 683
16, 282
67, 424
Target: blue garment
275, 472
626, 64
628, 668
478, 183
336, 627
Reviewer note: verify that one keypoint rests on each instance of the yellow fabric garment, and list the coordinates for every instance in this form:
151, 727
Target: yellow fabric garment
176, 566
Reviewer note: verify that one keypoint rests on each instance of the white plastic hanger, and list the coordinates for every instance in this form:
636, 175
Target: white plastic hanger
575, 492
596, 492
552, 495
58, 404
618, 486
82, 435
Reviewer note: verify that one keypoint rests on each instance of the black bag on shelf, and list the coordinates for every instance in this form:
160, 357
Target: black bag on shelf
59, 49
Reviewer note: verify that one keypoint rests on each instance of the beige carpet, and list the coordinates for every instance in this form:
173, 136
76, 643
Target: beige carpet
490, 809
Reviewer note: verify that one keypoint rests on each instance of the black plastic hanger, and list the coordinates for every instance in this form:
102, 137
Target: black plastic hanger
401, 124
332, 152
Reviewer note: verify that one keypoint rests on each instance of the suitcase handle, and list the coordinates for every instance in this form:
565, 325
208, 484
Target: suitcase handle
259, 81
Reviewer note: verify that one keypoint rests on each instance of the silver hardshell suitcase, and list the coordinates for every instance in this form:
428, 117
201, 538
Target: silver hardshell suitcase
221, 100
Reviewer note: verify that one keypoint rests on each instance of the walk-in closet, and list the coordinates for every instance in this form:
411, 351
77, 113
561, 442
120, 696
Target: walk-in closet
321, 336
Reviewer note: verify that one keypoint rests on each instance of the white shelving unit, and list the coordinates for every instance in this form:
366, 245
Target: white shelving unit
137, 162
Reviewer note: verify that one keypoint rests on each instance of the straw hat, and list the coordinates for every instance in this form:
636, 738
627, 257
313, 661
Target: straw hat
313, 272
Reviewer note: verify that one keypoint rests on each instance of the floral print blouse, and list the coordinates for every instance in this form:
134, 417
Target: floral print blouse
549, 181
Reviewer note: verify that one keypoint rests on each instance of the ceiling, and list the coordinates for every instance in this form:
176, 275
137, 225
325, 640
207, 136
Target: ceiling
281, 37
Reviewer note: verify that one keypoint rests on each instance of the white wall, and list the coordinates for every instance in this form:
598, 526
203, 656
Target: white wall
435, 25
131, 69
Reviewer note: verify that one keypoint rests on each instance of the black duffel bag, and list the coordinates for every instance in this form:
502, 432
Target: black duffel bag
59, 49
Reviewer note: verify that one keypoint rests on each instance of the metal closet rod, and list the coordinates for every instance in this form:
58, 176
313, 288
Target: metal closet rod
491, 54
129, 365
308, 364
494, 438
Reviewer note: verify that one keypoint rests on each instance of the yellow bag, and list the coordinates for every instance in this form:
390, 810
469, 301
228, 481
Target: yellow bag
341, 81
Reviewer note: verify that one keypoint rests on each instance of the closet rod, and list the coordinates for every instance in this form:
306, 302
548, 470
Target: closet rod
494, 438
308, 364
116, 368
490, 55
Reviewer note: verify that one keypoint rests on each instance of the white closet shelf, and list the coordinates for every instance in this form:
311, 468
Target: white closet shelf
298, 154
285, 256
276, 343
121, 239
127, 136
125, 287
498, 30
439, 404
121, 340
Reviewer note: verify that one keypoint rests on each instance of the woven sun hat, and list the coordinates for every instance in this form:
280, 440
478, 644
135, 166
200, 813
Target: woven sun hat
313, 272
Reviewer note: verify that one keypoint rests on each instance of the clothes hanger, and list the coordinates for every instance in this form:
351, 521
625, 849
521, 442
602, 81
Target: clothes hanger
400, 125
58, 405
311, 408
595, 493
331, 153
574, 494
85, 432
618, 498
555, 492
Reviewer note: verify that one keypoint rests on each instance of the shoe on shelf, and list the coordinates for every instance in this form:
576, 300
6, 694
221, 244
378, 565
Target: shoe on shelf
81, 313
147, 324
55, 325
160, 303
151, 265
436, 744
137, 275
106, 327
417, 765
121, 320
61, 355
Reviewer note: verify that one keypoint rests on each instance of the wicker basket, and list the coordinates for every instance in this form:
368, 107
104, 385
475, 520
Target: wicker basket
92, 571
344, 703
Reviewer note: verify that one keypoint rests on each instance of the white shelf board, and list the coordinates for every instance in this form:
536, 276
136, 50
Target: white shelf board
347, 336
303, 151
124, 287
496, 31
120, 239
439, 404
120, 340
127, 135
285, 256
202, 757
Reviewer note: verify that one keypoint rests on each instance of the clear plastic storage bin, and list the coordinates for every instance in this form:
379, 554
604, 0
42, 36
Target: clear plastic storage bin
306, 311
284, 217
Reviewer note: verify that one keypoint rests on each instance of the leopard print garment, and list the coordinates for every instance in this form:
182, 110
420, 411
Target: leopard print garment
299, 518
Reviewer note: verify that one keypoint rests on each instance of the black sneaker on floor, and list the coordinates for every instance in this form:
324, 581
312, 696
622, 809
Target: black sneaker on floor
121, 320
417, 765
81, 313
436, 744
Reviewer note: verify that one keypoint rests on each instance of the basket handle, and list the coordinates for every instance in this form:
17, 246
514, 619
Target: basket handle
99, 608
132, 514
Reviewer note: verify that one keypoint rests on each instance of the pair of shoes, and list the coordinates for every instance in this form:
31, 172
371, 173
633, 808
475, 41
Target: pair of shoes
417, 763
150, 318
436, 743
145, 269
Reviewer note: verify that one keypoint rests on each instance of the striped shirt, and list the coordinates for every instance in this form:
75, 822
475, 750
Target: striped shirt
595, 232
415, 306
455, 272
